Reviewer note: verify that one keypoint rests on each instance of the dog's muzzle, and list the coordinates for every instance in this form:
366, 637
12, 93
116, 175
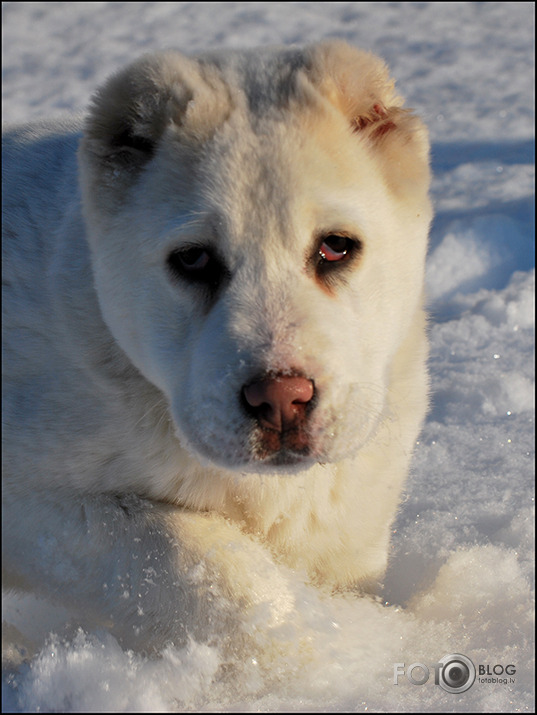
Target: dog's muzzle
280, 405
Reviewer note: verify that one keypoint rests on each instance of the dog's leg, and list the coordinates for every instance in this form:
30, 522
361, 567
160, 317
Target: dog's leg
151, 572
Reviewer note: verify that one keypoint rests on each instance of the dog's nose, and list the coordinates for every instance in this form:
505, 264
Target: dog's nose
279, 402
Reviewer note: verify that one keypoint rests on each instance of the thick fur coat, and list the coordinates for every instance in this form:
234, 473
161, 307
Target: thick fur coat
214, 335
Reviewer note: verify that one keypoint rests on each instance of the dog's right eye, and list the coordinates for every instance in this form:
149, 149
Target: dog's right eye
196, 264
192, 260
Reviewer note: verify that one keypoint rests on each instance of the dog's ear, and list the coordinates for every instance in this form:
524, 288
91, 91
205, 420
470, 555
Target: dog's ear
358, 83
134, 108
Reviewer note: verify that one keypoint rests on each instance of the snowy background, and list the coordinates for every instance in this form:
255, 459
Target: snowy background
461, 575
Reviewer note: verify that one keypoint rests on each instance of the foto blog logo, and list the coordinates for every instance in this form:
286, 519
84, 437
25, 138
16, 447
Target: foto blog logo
454, 673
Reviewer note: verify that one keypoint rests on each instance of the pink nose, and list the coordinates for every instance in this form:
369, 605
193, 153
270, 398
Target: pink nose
279, 402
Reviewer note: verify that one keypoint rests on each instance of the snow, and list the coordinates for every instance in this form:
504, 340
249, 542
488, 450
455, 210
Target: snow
461, 575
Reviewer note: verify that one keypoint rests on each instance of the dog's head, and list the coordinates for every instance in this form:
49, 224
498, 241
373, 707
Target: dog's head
258, 225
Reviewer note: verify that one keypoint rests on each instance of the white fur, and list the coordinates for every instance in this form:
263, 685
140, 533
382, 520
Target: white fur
132, 490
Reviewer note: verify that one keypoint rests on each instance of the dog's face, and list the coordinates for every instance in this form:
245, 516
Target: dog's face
259, 257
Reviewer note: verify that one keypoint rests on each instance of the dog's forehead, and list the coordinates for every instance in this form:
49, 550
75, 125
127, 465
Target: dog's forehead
246, 179
279, 178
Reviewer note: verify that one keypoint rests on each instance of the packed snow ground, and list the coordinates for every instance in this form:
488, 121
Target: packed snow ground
461, 575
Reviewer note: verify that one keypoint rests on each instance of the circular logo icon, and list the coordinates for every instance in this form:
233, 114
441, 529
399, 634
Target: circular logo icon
457, 673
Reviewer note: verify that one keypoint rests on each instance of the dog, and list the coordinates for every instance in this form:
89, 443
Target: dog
214, 338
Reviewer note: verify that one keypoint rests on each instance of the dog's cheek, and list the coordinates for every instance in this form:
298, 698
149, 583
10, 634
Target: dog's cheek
350, 376
204, 398
160, 333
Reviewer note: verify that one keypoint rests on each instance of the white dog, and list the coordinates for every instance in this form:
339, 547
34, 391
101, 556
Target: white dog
214, 337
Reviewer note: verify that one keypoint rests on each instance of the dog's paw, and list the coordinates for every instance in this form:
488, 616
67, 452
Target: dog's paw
236, 571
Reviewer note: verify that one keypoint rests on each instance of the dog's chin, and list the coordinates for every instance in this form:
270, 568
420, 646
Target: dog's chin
281, 462
263, 456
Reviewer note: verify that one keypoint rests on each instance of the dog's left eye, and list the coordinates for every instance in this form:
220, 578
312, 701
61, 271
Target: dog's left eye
336, 248
334, 253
